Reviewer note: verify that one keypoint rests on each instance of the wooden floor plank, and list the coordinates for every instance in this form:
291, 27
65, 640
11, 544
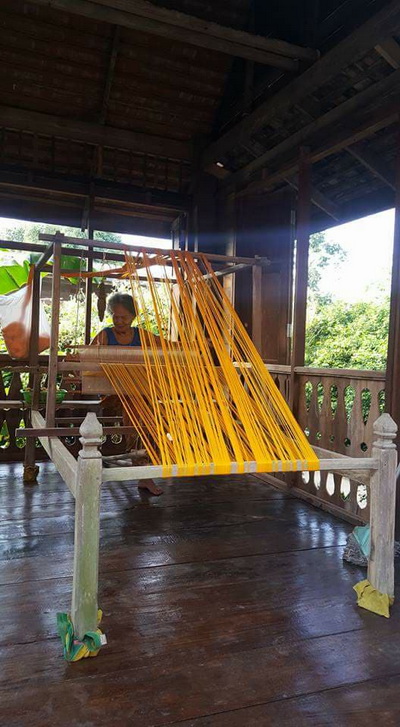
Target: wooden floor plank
226, 604
161, 692
373, 703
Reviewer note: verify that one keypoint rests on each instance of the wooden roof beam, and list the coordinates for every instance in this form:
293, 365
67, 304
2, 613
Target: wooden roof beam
390, 51
146, 17
38, 123
319, 200
386, 115
352, 48
110, 73
306, 135
371, 162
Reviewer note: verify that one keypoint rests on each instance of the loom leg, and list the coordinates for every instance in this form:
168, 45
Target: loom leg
84, 611
383, 506
31, 469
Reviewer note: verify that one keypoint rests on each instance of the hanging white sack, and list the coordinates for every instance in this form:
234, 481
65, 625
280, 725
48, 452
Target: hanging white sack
16, 323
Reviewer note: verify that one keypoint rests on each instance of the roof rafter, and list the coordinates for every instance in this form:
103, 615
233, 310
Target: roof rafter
339, 140
319, 200
308, 132
149, 18
354, 46
90, 133
371, 162
390, 51
110, 73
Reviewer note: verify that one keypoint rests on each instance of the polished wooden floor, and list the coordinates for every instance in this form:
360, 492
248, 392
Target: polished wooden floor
226, 604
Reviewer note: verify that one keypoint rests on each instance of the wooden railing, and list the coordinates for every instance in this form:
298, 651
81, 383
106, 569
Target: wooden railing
336, 408
14, 414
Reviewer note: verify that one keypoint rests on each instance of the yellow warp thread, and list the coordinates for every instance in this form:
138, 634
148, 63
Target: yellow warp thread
206, 400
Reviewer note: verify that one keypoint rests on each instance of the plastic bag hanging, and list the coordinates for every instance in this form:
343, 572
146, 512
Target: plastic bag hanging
16, 322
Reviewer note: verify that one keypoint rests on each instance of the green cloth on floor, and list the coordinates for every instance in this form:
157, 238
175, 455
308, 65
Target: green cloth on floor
362, 534
372, 600
73, 649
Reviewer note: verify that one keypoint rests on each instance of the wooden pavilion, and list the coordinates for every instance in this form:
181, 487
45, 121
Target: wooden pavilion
236, 129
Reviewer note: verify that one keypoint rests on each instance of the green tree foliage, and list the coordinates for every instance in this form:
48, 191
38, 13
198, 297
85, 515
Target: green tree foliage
341, 334
350, 336
29, 232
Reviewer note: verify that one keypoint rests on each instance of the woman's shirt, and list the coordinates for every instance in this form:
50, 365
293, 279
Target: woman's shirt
112, 340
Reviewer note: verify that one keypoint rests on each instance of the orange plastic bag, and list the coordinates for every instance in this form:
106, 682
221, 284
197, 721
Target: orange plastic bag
16, 323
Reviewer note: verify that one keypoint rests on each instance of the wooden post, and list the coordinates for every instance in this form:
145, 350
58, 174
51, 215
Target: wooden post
256, 323
31, 470
55, 321
392, 384
89, 293
87, 528
34, 337
392, 389
228, 228
383, 503
301, 274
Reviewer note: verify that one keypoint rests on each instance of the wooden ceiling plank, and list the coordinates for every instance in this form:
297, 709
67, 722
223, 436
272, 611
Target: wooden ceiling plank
187, 29
384, 117
87, 132
319, 200
110, 73
373, 164
348, 51
390, 51
147, 9
330, 119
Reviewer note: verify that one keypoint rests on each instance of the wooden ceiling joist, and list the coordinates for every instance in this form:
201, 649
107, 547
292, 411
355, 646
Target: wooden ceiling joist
146, 17
110, 74
319, 200
371, 162
305, 135
67, 128
348, 51
21, 179
390, 51
336, 142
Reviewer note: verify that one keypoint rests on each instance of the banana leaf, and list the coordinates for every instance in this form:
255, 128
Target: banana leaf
13, 277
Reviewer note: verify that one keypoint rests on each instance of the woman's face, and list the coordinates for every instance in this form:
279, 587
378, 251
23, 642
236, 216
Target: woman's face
122, 319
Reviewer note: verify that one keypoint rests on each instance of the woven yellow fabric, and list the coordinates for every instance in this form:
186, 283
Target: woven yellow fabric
205, 400
372, 600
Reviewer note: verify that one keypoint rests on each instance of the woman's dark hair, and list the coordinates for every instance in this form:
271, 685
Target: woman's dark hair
123, 299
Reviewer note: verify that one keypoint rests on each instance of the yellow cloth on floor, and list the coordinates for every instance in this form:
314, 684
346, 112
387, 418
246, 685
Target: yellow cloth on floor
371, 599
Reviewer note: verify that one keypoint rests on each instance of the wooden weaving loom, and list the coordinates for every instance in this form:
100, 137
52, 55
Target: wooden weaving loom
222, 392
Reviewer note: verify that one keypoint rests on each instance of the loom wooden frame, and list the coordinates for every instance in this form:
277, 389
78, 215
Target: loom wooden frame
84, 476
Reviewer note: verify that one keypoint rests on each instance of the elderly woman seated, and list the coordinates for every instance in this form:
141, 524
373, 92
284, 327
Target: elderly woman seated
122, 309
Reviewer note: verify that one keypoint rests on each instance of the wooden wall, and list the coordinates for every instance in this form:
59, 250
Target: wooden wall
264, 228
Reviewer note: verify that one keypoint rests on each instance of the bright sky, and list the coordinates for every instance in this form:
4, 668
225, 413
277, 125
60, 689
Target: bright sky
369, 245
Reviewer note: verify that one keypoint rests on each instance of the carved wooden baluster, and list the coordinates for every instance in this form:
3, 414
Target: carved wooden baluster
324, 413
340, 421
313, 414
14, 416
374, 387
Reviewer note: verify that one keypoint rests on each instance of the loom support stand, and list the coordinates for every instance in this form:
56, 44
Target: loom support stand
383, 506
84, 610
